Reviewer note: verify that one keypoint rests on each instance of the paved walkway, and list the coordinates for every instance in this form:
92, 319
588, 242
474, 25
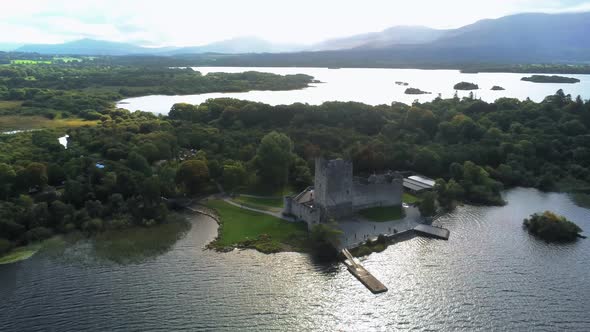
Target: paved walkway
358, 230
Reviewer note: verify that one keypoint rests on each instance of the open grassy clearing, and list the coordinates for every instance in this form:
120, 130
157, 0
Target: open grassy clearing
410, 199
10, 104
381, 214
262, 203
241, 227
16, 122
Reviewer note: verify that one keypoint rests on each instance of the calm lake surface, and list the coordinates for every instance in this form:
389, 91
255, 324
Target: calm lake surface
490, 275
371, 86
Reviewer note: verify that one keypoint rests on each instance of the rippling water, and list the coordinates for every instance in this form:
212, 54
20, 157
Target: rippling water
371, 86
490, 275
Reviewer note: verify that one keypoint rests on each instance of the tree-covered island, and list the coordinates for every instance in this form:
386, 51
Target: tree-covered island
550, 79
551, 227
415, 91
497, 88
466, 86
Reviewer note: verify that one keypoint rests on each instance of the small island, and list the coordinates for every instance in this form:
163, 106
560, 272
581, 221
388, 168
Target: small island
402, 83
466, 86
414, 91
497, 88
552, 228
550, 79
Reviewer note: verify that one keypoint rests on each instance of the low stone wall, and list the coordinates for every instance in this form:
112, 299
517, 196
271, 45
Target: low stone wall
377, 194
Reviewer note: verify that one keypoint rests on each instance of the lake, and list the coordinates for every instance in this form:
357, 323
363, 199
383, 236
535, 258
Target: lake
370, 86
490, 275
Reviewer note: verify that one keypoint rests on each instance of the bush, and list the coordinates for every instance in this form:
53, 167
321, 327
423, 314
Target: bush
38, 234
5, 246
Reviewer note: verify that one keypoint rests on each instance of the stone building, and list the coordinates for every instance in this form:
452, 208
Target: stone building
336, 194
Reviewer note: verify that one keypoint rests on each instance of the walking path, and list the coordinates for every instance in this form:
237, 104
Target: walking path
270, 213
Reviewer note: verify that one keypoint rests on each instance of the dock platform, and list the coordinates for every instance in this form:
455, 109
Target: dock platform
366, 278
432, 231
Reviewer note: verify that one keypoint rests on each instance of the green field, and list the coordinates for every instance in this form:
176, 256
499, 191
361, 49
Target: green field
410, 199
262, 203
256, 230
30, 62
270, 192
381, 214
15, 122
10, 104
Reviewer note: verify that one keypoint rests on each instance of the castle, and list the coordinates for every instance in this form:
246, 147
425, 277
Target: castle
336, 194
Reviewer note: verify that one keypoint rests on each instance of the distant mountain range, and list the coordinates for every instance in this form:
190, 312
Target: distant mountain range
516, 38
409, 35
101, 47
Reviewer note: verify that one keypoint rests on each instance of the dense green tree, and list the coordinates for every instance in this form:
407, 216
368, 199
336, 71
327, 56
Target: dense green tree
427, 204
234, 175
273, 158
192, 175
34, 175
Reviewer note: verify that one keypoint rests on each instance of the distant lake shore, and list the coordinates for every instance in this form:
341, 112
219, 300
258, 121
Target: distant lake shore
370, 86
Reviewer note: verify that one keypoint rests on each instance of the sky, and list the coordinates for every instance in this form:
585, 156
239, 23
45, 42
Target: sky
197, 22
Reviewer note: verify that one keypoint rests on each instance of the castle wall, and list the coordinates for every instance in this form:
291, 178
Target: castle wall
302, 212
377, 194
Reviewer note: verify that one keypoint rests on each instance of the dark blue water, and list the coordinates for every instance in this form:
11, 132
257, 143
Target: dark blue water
490, 275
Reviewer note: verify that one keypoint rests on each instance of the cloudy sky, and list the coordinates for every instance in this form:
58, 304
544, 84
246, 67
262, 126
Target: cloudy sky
184, 22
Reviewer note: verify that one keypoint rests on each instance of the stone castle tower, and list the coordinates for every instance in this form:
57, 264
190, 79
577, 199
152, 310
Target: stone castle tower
333, 188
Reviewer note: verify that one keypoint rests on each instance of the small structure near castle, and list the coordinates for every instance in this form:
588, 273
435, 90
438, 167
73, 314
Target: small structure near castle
336, 194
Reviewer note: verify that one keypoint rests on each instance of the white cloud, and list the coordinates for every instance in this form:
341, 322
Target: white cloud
181, 22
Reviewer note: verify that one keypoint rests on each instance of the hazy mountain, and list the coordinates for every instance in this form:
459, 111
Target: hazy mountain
391, 36
101, 47
516, 38
86, 47
9, 46
240, 45
522, 38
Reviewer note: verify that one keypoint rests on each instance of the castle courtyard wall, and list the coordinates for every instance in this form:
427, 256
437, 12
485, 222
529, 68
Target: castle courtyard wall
376, 194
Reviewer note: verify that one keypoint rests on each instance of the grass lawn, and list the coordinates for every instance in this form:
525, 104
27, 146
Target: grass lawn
20, 254
381, 214
265, 191
266, 203
16, 122
410, 199
257, 230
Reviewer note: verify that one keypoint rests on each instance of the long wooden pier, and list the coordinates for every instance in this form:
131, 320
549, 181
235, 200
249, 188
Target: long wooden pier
366, 278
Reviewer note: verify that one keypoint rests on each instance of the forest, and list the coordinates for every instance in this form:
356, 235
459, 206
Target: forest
116, 173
